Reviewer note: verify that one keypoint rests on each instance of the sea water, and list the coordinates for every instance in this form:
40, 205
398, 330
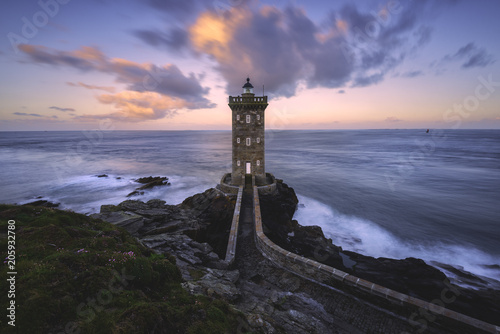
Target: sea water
382, 193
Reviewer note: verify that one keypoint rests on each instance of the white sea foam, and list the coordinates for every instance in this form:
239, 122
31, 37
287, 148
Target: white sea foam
366, 237
86, 194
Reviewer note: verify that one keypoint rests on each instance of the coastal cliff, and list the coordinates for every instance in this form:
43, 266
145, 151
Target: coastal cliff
410, 276
252, 295
206, 219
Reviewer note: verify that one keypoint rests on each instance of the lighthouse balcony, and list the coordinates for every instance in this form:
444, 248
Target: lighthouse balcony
247, 99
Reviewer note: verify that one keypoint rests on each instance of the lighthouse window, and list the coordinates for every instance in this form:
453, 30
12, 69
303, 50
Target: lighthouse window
238, 140
258, 117
237, 117
248, 118
249, 141
238, 163
258, 140
258, 162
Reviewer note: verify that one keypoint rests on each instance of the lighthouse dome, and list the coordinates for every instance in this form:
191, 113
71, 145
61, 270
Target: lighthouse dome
248, 87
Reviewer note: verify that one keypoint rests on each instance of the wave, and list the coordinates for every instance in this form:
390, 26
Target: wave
86, 194
367, 238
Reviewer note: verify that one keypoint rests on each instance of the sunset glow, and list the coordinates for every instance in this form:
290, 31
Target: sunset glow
369, 64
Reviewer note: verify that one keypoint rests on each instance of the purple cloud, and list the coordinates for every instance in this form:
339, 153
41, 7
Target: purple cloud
174, 89
284, 48
32, 115
61, 109
471, 56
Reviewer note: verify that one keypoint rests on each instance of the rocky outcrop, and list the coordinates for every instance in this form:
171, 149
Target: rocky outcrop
204, 217
44, 203
274, 300
410, 276
148, 183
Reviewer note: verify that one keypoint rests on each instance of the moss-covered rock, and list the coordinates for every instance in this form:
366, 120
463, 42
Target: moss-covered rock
76, 274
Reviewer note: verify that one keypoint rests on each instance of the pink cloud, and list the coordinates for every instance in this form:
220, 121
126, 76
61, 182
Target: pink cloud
81, 84
153, 92
392, 119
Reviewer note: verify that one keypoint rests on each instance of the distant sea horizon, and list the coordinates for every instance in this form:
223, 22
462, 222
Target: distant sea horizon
393, 193
267, 129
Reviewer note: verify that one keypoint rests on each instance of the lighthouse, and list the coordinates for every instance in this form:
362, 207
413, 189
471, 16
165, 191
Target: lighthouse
248, 141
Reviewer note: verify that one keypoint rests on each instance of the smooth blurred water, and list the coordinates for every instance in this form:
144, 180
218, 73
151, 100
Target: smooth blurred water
392, 193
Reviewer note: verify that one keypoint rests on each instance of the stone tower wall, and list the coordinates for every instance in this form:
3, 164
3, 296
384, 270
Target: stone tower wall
248, 136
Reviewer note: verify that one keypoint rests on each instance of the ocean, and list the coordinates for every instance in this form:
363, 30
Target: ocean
382, 193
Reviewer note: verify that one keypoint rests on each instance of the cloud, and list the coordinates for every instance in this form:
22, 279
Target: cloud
25, 114
32, 115
423, 35
392, 119
167, 81
139, 106
62, 109
341, 91
378, 42
85, 59
175, 7
363, 81
472, 56
412, 74
284, 48
174, 39
81, 84
278, 48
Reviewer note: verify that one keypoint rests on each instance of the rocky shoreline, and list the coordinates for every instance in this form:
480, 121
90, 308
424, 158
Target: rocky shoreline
275, 300
410, 276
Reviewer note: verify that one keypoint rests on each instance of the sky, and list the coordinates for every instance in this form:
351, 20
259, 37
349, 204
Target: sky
172, 64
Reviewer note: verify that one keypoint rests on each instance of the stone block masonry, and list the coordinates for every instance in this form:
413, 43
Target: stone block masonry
233, 234
248, 135
318, 272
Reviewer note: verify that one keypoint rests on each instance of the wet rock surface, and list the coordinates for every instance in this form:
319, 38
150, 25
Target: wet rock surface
148, 183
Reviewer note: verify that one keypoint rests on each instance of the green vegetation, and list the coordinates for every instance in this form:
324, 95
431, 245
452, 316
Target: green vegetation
76, 274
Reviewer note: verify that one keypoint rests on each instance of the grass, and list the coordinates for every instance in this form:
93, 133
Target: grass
76, 274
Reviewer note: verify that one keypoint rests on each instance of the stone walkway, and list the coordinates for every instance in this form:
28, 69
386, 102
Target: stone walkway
279, 297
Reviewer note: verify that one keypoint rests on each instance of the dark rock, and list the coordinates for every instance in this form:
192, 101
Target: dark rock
135, 193
150, 179
43, 203
109, 208
149, 182
272, 299
133, 205
278, 210
492, 266
216, 209
128, 220
171, 226
205, 218
410, 276
204, 247
102, 175
156, 203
